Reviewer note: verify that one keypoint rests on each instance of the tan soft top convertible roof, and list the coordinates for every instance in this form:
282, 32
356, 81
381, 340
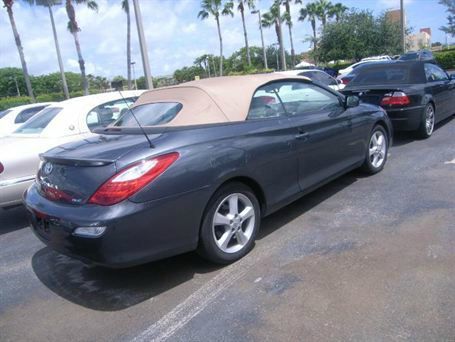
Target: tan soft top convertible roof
212, 100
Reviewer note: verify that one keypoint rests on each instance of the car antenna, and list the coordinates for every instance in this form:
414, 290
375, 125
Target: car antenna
137, 121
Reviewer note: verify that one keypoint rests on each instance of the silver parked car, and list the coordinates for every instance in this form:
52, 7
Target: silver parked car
59, 123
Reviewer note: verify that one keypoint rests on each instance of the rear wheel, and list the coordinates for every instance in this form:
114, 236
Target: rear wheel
427, 122
230, 224
378, 147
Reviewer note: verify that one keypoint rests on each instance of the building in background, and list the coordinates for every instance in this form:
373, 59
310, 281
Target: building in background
421, 40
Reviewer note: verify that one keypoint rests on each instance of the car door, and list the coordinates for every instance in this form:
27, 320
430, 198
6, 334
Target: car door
323, 132
270, 143
441, 89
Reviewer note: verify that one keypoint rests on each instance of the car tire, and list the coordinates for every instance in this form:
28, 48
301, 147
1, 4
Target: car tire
377, 150
226, 234
427, 121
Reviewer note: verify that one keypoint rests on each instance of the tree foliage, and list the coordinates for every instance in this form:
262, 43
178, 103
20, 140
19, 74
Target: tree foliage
450, 27
357, 35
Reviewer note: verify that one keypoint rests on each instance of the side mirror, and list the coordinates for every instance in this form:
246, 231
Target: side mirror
352, 101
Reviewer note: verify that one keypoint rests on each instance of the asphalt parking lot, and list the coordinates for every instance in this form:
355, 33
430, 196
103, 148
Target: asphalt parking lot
361, 259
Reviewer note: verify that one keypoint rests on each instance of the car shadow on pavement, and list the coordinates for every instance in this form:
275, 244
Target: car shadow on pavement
104, 289
13, 219
403, 138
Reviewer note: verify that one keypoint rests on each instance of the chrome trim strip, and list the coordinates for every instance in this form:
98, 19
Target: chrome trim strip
16, 181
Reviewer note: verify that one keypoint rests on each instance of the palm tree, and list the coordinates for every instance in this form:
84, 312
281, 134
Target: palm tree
324, 10
216, 8
288, 19
8, 4
74, 29
311, 13
273, 18
337, 11
126, 8
49, 4
241, 8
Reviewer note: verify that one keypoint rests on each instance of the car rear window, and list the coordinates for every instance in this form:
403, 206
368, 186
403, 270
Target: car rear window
150, 114
409, 56
39, 122
387, 74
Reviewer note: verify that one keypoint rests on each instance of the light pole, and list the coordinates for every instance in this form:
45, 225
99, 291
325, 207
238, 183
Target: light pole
143, 45
403, 33
276, 54
134, 75
207, 62
264, 55
17, 86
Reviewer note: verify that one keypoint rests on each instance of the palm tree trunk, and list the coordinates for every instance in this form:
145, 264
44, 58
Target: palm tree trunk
248, 57
128, 45
74, 28
292, 45
313, 26
288, 11
282, 53
59, 56
81, 63
221, 44
20, 49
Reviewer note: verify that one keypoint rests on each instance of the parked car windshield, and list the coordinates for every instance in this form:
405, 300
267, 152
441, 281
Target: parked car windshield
39, 122
150, 114
387, 74
3, 113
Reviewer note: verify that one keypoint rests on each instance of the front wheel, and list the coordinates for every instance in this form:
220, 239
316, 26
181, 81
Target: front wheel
230, 224
378, 147
427, 122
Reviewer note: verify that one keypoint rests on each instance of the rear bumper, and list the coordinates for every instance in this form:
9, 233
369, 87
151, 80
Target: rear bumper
135, 233
11, 191
406, 119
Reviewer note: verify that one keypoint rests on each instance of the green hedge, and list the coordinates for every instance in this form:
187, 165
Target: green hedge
8, 102
446, 59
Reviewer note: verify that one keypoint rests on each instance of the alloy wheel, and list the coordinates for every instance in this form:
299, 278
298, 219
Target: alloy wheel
377, 149
429, 120
233, 223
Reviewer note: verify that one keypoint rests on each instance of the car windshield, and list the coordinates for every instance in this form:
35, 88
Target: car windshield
409, 56
3, 113
390, 74
39, 122
150, 114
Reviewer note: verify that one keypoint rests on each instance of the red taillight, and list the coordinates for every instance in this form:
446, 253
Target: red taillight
130, 180
397, 98
345, 80
2, 168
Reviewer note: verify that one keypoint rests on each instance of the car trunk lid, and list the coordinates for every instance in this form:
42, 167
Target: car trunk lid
71, 173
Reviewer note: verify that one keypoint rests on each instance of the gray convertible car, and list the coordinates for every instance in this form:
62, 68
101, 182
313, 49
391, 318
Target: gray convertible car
208, 161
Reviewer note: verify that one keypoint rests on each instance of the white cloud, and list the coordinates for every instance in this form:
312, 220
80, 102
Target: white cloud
191, 28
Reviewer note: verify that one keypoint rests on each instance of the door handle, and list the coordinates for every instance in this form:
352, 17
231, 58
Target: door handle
302, 135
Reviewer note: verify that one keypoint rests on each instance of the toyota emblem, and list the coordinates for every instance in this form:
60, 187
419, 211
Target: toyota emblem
47, 168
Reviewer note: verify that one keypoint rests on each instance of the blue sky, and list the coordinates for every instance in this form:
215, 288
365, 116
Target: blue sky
174, 34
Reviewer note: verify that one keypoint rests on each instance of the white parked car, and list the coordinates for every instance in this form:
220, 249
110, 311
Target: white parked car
12, 118
377, 58
57, 124
317, 76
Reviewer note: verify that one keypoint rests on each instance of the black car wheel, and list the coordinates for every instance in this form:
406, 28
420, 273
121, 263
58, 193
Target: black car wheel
376, 154
427, 122
230, 224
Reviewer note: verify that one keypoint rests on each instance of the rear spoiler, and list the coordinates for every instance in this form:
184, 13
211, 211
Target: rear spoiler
74, 161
